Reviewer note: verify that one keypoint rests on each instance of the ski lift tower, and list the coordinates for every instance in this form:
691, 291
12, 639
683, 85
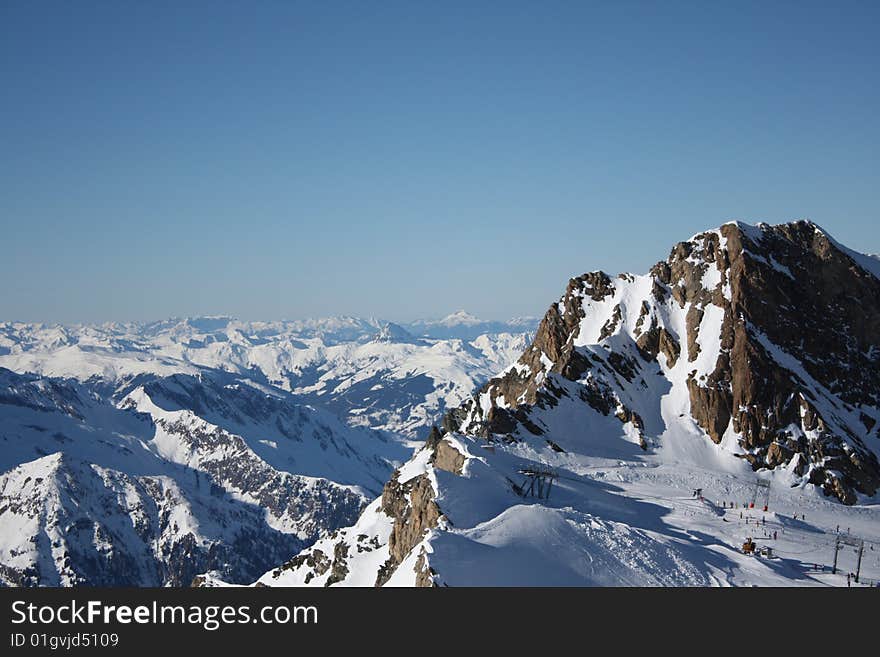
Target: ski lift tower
853, 541
537, 483
761, 492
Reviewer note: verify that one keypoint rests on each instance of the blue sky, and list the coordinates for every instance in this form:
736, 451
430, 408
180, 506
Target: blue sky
287, 159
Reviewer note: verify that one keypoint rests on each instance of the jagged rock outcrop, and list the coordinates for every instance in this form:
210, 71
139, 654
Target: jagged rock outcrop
446, 457
412, 507
771, 332
395, 525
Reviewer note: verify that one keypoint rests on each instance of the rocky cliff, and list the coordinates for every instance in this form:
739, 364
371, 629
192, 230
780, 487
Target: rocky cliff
774, 331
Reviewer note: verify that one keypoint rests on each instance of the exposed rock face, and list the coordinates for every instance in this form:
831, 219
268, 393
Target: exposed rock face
314, 559
793, 286
424, 573
339, 567
554, 341
553, 352
412, 506
774, 331
446, 457
414, 511
658, 340
399, 521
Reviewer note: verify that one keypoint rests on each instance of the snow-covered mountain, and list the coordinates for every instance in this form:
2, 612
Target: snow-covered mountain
371, 372
177, 476
633, 440
630, 441
145, 454
462, 325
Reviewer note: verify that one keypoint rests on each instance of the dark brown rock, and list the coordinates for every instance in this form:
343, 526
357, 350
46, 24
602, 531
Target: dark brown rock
412, 507
446, 457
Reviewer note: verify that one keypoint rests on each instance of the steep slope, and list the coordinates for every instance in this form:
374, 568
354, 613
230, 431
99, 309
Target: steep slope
268, 426
750, 353
767, 338
180, 475
66, 522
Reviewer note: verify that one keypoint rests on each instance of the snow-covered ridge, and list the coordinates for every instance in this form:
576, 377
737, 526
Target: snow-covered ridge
215, 476
579, 463
464, 326
374, 373
229, 445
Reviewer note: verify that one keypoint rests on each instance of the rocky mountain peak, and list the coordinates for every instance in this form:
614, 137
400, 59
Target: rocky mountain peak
745, 347
394, 333
771, 334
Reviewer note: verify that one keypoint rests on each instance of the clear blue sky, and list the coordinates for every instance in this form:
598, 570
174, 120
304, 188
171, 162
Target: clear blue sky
288, 159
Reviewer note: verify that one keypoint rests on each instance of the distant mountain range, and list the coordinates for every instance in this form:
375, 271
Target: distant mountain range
371, 372
145, 454
464, 326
